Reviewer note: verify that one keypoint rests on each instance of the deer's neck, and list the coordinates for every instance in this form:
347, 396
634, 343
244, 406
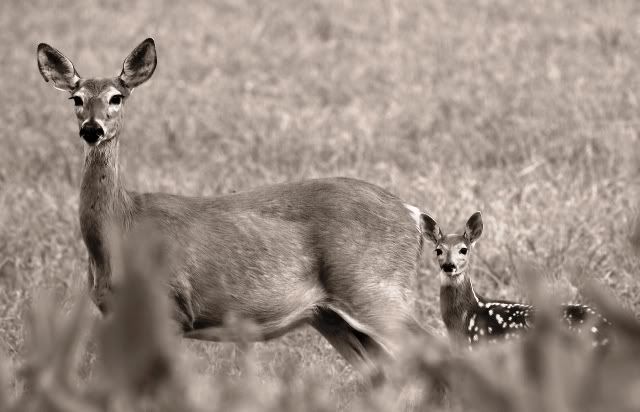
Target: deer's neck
457, 301
104, 203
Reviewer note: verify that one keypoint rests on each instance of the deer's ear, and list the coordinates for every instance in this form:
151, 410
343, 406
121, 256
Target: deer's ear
430, 228
473, 228
140, 64
57, 68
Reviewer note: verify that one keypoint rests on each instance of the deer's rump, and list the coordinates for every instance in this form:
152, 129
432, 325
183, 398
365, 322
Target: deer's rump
279, 251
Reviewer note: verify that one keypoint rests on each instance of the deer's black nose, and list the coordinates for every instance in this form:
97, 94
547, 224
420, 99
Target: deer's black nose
449, 267
91, 132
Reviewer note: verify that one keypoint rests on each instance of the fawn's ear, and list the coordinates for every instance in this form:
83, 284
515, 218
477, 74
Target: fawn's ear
473, 228
140, 64
430, 228
57, 68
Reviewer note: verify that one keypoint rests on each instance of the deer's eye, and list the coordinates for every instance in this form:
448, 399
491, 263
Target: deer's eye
77, 100
115, 100
438, 252
463, 250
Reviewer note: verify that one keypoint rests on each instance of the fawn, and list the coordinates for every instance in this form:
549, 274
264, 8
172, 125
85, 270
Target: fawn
473, 318
337, 254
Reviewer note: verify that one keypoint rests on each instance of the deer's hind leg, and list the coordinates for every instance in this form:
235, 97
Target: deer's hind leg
362, 351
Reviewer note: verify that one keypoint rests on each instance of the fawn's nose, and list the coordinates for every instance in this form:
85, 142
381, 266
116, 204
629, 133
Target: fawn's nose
449, 267
91, 132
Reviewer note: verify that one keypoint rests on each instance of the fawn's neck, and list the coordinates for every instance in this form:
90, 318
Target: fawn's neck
457, 300
104, 203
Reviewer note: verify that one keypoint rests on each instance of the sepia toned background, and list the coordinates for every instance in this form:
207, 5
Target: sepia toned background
527, 111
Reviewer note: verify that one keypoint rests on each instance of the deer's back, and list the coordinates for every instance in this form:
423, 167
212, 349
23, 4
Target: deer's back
293, 243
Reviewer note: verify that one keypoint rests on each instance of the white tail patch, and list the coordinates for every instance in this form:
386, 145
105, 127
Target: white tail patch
415, 214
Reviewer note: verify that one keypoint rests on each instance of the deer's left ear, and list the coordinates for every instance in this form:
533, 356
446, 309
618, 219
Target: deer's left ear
473, 228
140, 64
56, 68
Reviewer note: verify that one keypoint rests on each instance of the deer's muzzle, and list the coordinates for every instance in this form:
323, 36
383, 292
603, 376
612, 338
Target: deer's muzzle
448, 267
91, 132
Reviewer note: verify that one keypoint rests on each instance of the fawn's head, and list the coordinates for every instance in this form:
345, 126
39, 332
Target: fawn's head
99, 102
452, 251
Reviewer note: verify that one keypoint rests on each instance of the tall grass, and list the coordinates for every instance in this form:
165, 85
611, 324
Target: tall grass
136, 364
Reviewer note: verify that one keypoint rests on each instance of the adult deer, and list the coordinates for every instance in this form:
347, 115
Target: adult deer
337, 254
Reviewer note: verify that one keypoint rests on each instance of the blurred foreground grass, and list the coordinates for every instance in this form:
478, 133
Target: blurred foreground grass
526, 111
140, 366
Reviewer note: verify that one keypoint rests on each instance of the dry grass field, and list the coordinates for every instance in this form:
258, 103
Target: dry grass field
527, 110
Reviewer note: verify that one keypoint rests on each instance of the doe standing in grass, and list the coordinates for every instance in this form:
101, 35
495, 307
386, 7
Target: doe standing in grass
337, 254
472, 318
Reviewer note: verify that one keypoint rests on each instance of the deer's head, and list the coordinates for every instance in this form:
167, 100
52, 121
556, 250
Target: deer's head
99, 102
452, 251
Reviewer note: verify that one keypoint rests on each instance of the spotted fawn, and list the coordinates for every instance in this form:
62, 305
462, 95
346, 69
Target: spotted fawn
473, 318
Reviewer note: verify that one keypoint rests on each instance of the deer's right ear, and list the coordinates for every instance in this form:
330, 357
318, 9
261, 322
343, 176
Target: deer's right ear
57, 68
140, 64
430, 228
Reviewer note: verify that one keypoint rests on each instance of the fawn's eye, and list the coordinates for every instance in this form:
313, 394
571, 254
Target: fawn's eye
77, 100
463, 250
115, 100
438, 252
